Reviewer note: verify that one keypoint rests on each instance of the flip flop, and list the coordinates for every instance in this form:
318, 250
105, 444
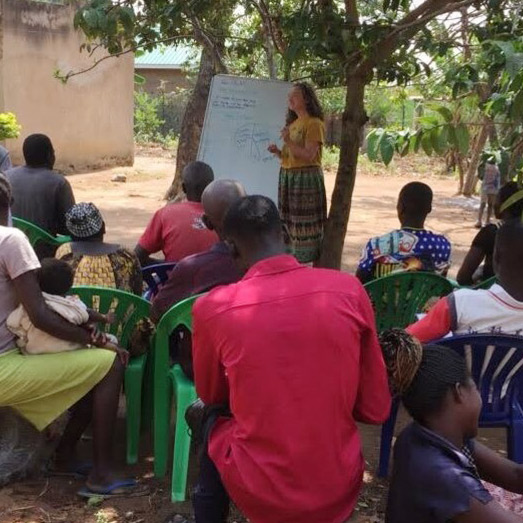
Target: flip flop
77, 471
125, 488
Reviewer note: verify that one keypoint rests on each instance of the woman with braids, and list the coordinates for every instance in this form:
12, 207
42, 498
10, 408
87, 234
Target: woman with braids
508, 206
301, 199
438, 465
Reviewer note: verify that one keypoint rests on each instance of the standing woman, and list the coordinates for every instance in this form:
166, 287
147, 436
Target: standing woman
301, 195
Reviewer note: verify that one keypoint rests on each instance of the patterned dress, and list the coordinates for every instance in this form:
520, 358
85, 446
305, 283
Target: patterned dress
119, 269
301, 197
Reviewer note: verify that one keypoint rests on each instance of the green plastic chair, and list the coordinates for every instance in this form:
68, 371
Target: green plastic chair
35, 234
486, 284
167, 379
128, 309
397, 298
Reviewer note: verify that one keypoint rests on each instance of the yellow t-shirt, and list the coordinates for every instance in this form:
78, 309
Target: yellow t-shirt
301, 131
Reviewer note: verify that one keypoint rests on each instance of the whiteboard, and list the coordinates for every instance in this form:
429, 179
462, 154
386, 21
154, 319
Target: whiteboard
243, 116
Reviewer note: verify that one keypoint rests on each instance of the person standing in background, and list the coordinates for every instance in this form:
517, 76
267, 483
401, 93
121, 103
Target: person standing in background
490, 185
5, 160
301, 194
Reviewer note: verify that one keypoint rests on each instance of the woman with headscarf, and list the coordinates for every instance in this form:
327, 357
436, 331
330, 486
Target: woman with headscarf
94, 261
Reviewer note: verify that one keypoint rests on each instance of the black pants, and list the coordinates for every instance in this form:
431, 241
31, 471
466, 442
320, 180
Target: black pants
210, 499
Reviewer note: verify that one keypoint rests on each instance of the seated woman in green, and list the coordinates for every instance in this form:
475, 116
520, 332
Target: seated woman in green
42, 387
438, 465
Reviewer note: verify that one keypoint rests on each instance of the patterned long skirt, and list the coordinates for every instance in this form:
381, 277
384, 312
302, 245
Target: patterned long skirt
303, 208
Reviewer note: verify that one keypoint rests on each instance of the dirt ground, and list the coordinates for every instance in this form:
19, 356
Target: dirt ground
127, 207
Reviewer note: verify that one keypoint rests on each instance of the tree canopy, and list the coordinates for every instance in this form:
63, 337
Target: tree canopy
472, 48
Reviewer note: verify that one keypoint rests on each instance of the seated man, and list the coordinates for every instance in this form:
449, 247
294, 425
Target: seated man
203, 271
498, 310
177, 228
411, 248
41, 195
293, 352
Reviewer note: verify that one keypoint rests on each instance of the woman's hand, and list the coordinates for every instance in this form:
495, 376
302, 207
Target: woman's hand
273, 149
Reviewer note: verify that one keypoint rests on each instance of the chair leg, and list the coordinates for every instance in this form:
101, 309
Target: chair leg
133, 399
185, 395
161, 424
387, 433
515, 441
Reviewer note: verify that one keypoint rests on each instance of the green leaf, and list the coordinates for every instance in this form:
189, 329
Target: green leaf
438, 140
138, 79
446, 113
516, 110
463, 138
373, 139
387, 148
426, 143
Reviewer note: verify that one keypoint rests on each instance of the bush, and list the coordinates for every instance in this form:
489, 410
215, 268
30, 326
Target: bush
147, 123
9, 127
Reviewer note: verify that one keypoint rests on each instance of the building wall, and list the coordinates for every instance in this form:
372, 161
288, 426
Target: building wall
170, 79
90, 118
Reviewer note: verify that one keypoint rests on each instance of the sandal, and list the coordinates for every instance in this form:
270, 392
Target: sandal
125, 488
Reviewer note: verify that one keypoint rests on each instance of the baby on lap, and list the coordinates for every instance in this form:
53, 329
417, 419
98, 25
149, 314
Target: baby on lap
55, 278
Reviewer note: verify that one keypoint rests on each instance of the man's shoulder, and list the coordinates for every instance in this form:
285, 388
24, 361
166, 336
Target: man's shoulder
12, 233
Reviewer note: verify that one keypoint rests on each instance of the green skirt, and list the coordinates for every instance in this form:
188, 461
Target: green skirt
303, 207
43, 386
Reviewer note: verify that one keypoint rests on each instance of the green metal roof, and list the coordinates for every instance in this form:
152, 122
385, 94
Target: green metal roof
167, 57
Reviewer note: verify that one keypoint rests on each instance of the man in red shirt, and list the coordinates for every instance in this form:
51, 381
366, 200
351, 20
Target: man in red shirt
293, 352
177, 229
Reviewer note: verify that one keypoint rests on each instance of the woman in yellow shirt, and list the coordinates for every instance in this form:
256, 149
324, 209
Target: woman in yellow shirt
301, 195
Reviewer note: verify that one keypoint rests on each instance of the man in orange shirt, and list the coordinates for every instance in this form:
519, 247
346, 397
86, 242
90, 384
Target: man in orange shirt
293, 352
177, 229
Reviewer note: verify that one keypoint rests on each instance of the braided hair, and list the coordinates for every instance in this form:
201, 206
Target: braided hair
312, 104
421, 375
5, 192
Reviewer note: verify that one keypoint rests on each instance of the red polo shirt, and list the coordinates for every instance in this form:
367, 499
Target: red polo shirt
294, 351
177, 230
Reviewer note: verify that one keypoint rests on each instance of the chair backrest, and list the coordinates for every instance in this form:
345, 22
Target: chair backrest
496, 364
35, 234
179, 315
397, 298
486, 284
128, 308
155, 275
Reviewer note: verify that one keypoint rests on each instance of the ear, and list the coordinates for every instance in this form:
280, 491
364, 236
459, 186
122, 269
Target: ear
207, 222
458, 393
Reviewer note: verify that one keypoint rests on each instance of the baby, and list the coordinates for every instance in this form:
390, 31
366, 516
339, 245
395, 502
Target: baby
55, 278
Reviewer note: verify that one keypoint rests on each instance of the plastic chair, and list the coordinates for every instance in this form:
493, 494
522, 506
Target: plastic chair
180, 315
128, 309
486, 284
154, 276
496, 364
397, 298
35, 234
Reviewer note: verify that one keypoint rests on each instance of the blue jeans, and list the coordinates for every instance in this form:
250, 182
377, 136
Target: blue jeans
210, 499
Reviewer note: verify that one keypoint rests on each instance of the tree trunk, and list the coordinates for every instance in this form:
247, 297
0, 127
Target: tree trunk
192, 122
353, 121
472, 172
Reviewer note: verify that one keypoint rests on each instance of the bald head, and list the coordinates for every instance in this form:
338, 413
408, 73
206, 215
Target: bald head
508, 254
196, 177
217, 198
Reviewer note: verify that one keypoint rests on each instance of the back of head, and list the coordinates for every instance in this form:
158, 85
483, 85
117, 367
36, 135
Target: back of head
422, 375
415, 199
217, 198
508, 251
510, 205
84, 222
38, 151
55, 276
196, 177
252, 219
